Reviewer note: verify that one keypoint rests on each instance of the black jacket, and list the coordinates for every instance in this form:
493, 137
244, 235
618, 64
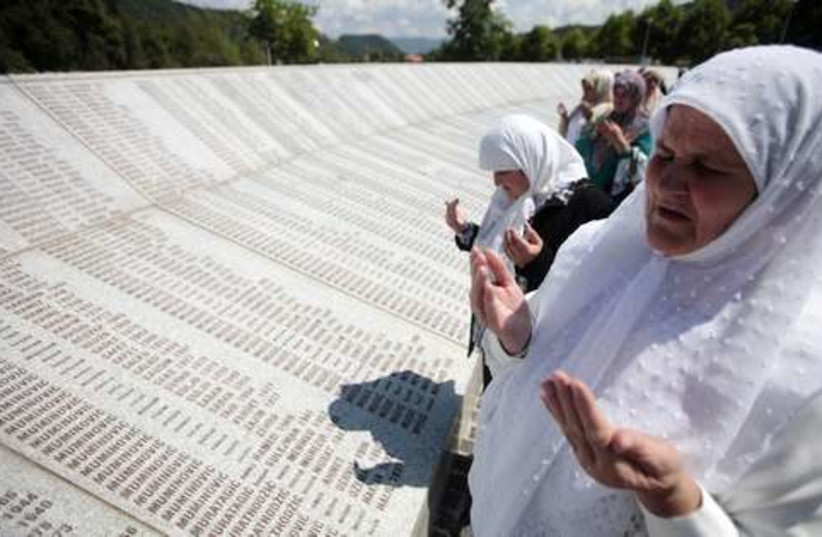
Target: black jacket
554, 222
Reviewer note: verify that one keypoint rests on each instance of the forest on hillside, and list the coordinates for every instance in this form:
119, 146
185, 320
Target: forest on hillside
93, 35
665, 32
90, 35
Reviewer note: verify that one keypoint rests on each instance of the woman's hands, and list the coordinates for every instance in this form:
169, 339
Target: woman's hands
498, 302
620, 458
454, 216
615, 136
522, 250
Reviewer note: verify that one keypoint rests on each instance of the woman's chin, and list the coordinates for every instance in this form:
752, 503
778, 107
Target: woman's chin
669, 239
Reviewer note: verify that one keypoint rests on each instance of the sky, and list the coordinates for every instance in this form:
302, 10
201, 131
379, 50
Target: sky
426, 18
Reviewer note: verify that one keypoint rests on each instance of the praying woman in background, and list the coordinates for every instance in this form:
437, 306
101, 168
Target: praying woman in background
542, 196
616, 150
595, 104
671, 383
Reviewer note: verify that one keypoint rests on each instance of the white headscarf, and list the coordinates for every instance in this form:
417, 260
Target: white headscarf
578, 125
551, 164
714, 350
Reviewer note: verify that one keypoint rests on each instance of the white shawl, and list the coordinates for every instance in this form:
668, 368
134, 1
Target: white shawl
714, 350
551, 164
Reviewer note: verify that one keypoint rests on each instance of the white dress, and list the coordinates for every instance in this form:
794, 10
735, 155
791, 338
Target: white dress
780, 494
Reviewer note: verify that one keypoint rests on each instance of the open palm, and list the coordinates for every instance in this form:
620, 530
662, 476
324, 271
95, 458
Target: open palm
619, 458
497, 301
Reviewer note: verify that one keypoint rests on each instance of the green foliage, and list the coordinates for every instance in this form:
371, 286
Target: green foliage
615, 38
574, 44
52, 35
663, 23
477, 33
47, 35
704, 29
511, 47
741, 35
672, 33
539, 45
285, 30
765, 18
369, 48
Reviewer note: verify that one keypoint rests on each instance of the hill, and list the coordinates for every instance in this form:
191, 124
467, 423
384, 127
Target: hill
369, 47
416, 45
95, 35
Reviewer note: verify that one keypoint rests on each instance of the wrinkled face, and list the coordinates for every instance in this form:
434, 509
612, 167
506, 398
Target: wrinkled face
623, 101
513, 182
697, 183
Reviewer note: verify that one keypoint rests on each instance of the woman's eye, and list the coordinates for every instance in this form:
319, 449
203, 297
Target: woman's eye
707, 167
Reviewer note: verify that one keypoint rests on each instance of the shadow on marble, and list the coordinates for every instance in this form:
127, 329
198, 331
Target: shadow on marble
409, 415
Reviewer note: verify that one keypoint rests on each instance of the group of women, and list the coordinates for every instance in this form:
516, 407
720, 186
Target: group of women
664, 377
609, 126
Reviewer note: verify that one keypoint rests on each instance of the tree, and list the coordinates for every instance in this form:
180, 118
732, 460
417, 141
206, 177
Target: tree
511, 47
766, 17
705, 29
574, 44
614, 39
285, 29
663, 23
539, 45
477, 33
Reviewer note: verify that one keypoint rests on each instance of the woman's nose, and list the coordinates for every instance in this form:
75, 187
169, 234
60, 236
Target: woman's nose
674, 178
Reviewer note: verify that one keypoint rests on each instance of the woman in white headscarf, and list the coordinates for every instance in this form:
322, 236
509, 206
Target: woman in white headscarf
691, 315
596, 103
542, 196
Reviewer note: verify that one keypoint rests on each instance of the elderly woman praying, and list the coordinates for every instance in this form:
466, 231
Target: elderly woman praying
671, 383
542, 196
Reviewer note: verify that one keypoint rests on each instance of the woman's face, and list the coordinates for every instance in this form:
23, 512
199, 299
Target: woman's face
623, 102
697, 183
650, 84
513, 182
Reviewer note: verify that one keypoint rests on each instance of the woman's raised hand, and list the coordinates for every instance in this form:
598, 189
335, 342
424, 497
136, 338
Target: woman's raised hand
615, 135
522, 250
454, 216
498, 302
620, 458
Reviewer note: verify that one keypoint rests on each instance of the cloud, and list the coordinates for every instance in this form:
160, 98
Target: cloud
411, 18
427, 18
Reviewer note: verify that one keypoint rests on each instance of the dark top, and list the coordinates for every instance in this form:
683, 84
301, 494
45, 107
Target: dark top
554, 222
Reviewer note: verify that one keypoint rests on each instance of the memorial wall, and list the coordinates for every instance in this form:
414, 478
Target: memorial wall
229, 304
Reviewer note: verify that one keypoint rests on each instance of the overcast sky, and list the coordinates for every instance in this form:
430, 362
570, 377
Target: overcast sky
426, 18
